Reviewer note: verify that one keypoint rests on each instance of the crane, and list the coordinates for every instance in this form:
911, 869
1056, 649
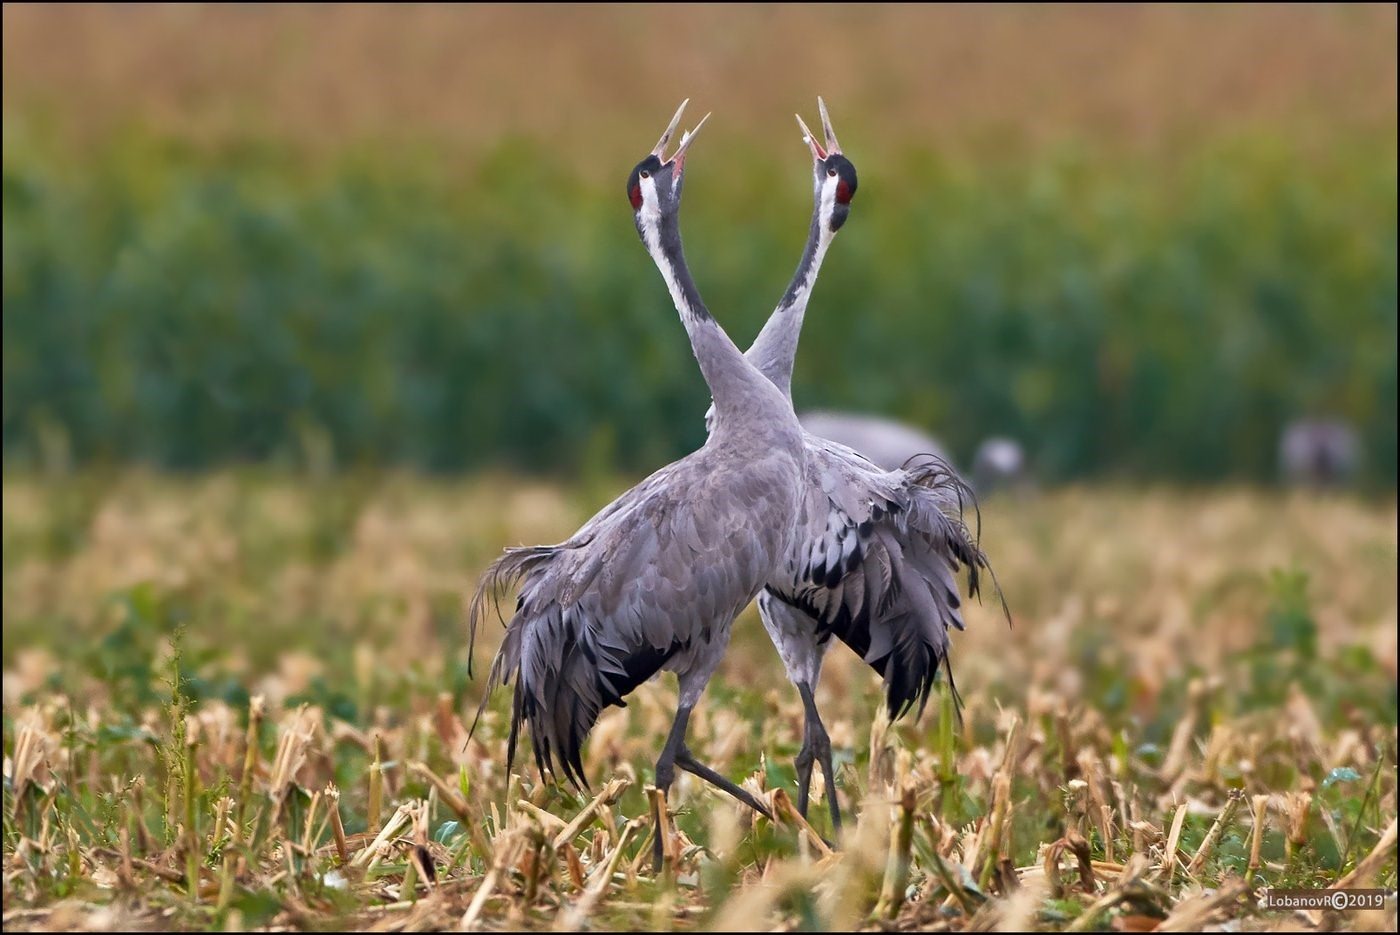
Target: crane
653, 581
1000, 463
1323, 452
887, 443
874, 558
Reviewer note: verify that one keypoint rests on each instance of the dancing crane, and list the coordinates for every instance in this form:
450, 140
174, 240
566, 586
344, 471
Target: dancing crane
654, 581
876, 553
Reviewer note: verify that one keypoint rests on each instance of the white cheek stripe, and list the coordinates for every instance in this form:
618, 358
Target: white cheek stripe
824, 237
828, 205
651, 232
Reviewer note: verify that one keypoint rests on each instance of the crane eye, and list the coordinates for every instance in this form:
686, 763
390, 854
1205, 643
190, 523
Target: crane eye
645, 174
831, 173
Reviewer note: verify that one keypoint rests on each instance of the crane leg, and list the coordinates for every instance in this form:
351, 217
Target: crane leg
816, 747
665, 774
676, 753
803, 762
687, 761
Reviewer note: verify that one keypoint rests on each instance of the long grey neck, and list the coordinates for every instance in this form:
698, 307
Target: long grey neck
742, 395
775, 348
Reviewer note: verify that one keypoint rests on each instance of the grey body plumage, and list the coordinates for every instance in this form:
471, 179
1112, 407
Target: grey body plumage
653, 581
875, 554
886, 442
1323, 452
1000, 464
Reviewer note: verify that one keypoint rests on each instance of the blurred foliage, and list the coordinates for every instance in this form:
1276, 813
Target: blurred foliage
1124, 314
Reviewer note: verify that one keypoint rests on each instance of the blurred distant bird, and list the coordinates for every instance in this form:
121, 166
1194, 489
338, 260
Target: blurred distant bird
890, 444
1318, 452
876, 553
1000, 463
654, 581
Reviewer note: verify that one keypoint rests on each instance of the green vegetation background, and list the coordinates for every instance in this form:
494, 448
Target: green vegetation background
189, 298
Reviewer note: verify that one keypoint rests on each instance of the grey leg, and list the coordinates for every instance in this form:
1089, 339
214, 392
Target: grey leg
686, 761
665, 774
676, 753
804, 760
816, 747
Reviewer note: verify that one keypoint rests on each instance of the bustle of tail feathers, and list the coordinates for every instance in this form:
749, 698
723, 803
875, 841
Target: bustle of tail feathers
937, 504
500, 577
559, 725
919, 639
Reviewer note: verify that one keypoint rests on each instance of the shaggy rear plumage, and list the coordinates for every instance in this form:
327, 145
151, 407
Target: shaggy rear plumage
881, 577
550, 736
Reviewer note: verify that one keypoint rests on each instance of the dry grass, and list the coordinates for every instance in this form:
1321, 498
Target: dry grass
236, 700
955, 76
1176, 719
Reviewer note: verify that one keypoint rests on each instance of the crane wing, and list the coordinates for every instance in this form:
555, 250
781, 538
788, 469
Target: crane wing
875, 564
652, 581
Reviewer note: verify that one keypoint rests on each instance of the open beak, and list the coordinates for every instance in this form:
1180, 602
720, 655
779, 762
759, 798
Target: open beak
818, 151
660, 150
688, 137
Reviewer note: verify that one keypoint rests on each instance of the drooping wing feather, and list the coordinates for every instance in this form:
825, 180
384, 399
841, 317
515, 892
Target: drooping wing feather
875, 564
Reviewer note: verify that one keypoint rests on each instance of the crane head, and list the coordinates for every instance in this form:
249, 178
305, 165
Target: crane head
654, 187
833, 175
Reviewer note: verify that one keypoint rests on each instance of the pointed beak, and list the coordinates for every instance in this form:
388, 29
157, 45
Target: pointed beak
688, 137
831, 145
659, 151
818, 154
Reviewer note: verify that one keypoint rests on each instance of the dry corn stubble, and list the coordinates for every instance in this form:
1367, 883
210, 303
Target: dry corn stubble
1118, 765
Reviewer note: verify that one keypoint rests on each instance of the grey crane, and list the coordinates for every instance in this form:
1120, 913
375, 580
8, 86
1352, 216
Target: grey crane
889, 444
876, 553
653, 581
1000, 464
1323, 452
